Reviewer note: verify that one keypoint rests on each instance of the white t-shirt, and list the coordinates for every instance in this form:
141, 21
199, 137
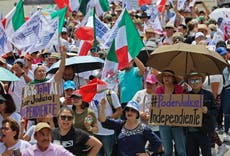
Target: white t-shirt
213, 78
21, 145
144, 99
30, 132
95, 105
16, 92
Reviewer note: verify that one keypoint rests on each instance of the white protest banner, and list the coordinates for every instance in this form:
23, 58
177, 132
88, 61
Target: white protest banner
110, 35
180, 4
5, 45
39, 100
177, 110
48, 37
101, 29
36, 32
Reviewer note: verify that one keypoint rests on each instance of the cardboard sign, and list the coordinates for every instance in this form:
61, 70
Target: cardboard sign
39, 100
176, 110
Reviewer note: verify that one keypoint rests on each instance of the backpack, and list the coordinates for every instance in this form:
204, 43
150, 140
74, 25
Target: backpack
110, 100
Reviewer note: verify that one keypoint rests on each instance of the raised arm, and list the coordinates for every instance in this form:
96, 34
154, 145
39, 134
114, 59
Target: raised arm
59, 73
140, 65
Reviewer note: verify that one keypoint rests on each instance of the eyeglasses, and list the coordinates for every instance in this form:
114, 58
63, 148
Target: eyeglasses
5, 128
194, 81
65, 117
130, 110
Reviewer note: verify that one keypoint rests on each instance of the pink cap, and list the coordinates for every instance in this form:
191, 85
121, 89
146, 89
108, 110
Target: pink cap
151, 79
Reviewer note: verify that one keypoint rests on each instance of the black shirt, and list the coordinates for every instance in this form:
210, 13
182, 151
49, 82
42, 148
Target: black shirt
74, 141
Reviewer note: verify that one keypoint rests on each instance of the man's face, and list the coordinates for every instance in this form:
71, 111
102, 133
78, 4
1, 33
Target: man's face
68, 73
169, 31
43, 138
195, 82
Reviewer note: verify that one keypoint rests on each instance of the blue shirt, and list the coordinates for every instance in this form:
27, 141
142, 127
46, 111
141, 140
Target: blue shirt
129, 83
131, 142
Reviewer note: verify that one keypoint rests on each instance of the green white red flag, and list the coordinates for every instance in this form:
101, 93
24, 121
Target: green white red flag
127, 42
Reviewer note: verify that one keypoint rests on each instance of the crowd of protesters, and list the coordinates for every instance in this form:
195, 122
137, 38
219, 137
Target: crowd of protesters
115, 122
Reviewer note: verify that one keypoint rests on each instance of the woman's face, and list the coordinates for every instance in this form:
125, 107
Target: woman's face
40, 73
65, 120
7, 132
131, 114
168, 79
77, 101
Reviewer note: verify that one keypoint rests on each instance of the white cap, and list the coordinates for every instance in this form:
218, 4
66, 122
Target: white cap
199, 34
64, 29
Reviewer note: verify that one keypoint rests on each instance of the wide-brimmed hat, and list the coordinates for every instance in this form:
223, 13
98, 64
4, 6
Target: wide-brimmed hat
202, 27
170, 25
54, 55
134, 105
193, 73
168, 72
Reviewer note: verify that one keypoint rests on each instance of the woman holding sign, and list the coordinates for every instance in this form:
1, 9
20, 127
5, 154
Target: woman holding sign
171, 133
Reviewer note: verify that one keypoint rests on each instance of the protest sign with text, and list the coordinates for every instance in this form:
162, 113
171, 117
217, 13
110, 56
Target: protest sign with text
176, 110
39, 100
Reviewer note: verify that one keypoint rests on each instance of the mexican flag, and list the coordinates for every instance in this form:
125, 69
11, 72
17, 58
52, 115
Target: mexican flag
101, 6
89, 90
161, 5
144, 2
127, 42
85, 33
61, 15
14, 19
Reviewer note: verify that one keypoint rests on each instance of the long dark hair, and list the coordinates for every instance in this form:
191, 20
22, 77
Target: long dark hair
10, 105
83, 106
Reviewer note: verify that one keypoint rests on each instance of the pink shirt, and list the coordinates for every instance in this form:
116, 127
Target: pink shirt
53, 150
177, 89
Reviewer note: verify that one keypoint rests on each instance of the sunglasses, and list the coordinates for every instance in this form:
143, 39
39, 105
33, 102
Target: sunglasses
65, 117
130, 110
194, 81
5, 128
75, 97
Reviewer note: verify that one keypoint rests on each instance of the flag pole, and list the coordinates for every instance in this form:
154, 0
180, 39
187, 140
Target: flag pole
94, 32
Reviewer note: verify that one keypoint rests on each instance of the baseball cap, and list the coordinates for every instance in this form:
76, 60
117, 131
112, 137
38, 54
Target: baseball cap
199, 34
69, 85
42, 125
64, 30
151, 79
76, 93
221, 50
20, 61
